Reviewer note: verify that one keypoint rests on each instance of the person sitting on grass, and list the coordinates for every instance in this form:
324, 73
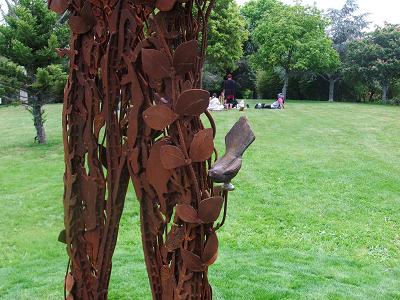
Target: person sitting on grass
278, 104
214, 104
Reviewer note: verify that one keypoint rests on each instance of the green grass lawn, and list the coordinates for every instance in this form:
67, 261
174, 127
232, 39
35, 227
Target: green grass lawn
315, 213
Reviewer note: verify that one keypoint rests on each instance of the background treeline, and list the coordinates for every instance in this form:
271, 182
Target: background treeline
305, 53
268, 46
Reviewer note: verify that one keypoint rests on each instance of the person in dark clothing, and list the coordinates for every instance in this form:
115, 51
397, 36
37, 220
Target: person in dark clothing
230, 92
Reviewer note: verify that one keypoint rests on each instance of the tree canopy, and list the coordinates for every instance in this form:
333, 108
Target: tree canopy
376, 57
293, 39
31, 34
11, 78
226, 36
252, 11
345, 25
264, 37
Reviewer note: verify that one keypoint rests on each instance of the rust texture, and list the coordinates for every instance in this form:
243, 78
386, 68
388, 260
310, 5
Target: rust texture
132, 107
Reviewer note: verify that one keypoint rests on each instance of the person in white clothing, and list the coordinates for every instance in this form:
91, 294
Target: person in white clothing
214, 104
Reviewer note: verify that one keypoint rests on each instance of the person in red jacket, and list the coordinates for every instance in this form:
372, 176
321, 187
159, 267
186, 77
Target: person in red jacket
229, 92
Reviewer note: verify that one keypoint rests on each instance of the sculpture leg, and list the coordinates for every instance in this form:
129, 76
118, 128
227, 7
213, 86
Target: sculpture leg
96, 173
132, 109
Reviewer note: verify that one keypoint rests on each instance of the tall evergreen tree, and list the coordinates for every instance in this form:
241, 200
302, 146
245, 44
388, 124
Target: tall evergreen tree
28, 39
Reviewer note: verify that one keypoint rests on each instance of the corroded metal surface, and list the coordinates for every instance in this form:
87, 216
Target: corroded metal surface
132, 111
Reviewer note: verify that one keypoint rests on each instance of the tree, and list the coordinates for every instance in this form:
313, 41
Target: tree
292, 38
226, 36
211, 80
245, 79
252, 12
267, 83
345, 26
11, 77
28, 41
246, 76
376, 57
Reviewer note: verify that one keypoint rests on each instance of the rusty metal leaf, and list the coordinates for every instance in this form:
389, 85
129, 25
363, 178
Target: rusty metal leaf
59, 6
167, 282
159, 116
63, 52
164, 252
210, 251
156, 42
202, 146
154, 174
186, 85
156, 64
175, 238
89, 195
87, 14
192, 261
133, 55
172, 157
134, 161
79, 25
165, 5
62, 237
187, 213
69, 282
210, 208
98, 123
192, 102
185, 56
165, 273
157, 176
92, 238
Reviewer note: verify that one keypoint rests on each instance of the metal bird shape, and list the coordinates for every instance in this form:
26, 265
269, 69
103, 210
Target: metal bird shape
238, 139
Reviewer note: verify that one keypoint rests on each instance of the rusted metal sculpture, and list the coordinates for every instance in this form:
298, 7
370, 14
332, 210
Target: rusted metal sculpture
132, 111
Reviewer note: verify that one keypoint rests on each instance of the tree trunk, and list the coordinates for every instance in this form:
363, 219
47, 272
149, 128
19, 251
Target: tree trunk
385, 89
285, 84
38, 122
331, 89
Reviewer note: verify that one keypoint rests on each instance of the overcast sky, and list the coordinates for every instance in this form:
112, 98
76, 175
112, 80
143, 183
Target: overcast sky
380, 10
